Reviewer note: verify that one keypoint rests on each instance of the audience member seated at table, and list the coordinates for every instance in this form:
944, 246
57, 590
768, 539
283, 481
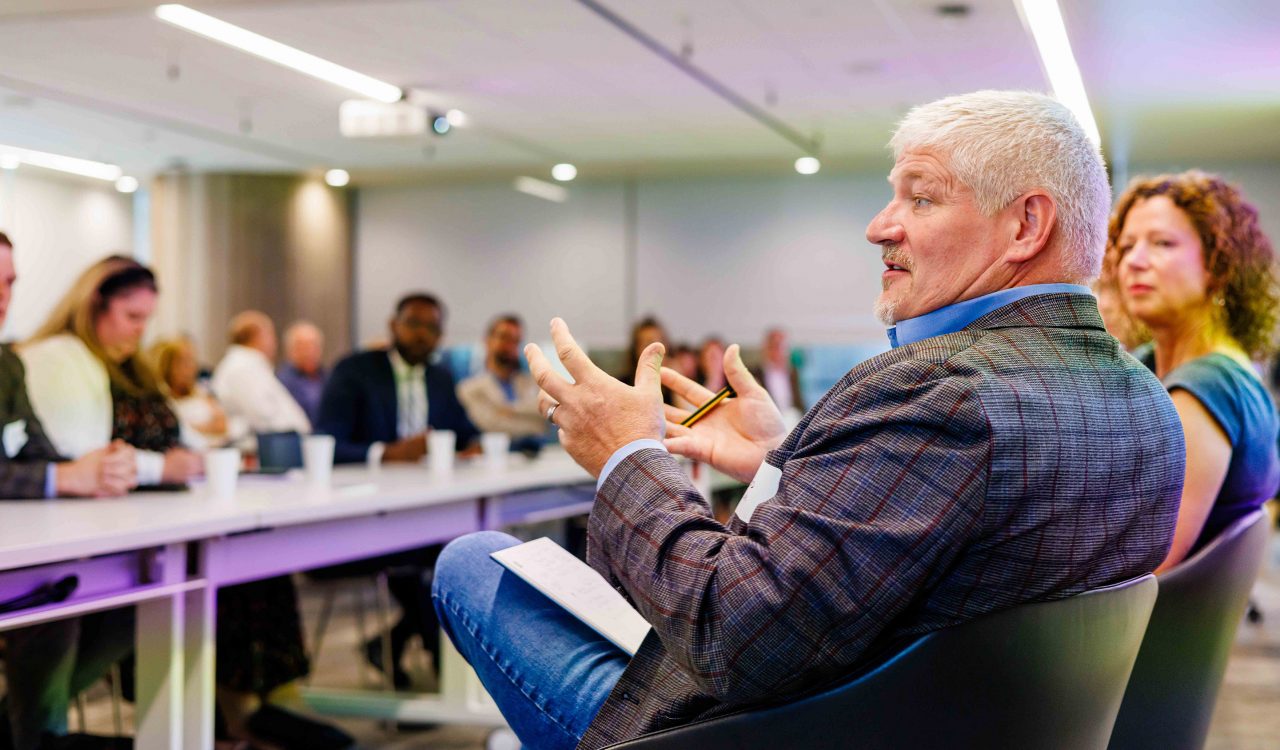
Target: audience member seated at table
379, 405
88, 382
245, 381
684, 360
200, 414
303, 372
89, 385
646, 331
504, 398
778, 374
1194, 269
711, 364
48, 664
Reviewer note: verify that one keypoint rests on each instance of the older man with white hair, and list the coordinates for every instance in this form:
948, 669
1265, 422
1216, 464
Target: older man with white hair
1005, 451
302, 372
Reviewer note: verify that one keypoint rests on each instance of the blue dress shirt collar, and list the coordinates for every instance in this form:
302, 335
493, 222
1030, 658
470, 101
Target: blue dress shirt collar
954, 317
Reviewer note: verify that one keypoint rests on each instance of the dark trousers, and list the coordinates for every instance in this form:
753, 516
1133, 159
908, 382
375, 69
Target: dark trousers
49, 664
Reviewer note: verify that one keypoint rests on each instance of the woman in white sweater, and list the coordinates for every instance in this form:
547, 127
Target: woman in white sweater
88, 382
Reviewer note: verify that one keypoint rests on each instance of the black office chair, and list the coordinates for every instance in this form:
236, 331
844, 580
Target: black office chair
1048, 676
1175, 681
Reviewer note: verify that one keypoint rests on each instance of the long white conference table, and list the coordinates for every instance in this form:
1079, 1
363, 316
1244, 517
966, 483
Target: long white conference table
167, 554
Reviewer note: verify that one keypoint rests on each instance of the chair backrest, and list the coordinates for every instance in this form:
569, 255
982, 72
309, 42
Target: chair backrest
1047, 675
1175, 681
279, 451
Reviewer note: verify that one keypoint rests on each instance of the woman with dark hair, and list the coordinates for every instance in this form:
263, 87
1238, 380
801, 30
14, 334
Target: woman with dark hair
1194, 271
90, 385
646, 331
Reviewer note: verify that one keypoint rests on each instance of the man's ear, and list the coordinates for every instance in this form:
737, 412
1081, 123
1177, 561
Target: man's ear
1034, 215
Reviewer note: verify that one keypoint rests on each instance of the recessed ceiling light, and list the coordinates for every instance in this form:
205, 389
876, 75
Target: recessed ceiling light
337, 177
277, 52
127, 184
456, 118
808, 165
564, 172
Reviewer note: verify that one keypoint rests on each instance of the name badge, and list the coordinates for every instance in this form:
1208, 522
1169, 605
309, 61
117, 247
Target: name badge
762, 488
14, 437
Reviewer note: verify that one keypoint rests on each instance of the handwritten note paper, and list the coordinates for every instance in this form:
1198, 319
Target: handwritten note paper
572, 584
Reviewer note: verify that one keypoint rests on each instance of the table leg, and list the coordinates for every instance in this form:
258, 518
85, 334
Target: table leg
198, 701
159, 644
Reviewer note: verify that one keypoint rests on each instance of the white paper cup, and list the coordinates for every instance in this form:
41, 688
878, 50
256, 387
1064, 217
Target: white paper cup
317, 458
440, 449
221, 468
496, 446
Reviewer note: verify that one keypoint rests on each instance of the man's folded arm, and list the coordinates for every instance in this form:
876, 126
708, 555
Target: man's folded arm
869, 507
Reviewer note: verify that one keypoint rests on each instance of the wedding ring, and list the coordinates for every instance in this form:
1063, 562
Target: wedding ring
551, 412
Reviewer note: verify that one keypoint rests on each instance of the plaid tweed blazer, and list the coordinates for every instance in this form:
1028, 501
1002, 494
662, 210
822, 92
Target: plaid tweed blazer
23, 475
1024, 458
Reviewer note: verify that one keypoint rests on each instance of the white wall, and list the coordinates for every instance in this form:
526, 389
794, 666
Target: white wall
487, 249
59, 225
728, 256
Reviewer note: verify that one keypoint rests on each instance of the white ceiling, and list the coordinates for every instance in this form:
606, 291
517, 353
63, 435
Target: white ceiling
549, 80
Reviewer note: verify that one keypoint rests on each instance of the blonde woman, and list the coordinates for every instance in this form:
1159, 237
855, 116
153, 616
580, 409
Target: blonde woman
174, 361
88, 382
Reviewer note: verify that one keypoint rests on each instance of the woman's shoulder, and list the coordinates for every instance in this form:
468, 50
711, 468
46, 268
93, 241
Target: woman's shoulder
1229, 389
1215, 370
59, 355
58, 347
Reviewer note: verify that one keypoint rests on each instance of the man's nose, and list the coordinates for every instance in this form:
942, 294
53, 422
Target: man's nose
884, 229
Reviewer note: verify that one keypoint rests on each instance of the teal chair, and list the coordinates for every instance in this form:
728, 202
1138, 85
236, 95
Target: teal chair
1048, 676
1170, 698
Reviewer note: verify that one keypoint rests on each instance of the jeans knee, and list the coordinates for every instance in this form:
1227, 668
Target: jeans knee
465, 559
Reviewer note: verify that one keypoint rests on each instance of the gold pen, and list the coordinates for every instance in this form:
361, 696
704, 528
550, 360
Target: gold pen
721, 395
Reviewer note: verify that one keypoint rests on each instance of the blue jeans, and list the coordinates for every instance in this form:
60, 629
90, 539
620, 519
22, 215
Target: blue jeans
548, 673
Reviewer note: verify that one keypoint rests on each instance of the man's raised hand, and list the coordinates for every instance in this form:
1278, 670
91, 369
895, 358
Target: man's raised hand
734, 436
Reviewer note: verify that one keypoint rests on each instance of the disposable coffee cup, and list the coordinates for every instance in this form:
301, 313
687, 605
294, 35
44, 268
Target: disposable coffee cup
317, 459
496, 446
440, 449
221, 468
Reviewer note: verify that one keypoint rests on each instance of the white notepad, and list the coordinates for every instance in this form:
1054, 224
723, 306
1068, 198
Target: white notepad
572, 584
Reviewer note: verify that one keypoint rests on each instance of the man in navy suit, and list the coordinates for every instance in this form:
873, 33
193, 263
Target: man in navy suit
379, 404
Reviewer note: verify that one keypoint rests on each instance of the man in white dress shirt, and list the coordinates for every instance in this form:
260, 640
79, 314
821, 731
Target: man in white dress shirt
245, 380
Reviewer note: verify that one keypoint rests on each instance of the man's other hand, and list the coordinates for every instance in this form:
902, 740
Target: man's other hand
734, 436
596, 413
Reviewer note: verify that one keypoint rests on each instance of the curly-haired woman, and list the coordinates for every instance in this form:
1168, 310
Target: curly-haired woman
1193, 270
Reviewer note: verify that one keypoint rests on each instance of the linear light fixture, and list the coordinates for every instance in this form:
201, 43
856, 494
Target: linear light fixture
12, 155
277, 52
1044, 18
539, 189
